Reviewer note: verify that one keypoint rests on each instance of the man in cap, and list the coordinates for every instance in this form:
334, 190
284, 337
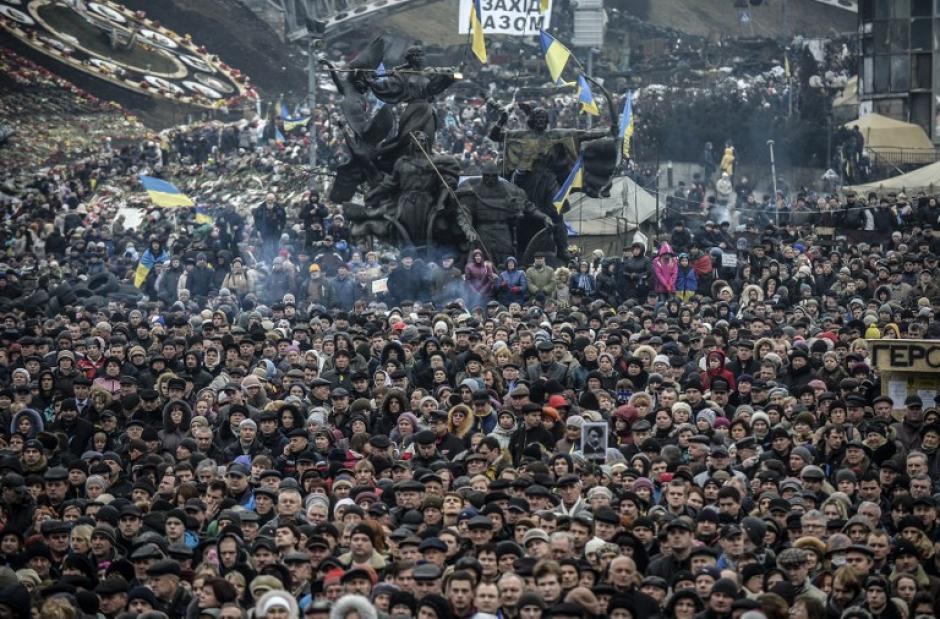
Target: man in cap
907, 431
79, 431
548, 368
531, 434
362, 549
679, 532
572, 502
112, 596
427, 579
172, 598
793, 562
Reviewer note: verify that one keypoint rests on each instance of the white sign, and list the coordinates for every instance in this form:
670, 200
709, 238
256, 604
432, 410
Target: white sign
513, 17
729, 260
133, 217
380, 286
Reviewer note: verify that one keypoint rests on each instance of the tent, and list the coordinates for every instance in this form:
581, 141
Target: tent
925, 179
887, 136
603, 223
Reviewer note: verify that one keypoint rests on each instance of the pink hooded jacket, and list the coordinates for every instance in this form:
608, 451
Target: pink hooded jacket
664, 271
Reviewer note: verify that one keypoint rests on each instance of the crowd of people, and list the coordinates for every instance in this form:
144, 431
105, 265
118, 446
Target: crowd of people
253, 415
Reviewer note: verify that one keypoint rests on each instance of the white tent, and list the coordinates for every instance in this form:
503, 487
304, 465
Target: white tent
886, 136
925, 179
600, 222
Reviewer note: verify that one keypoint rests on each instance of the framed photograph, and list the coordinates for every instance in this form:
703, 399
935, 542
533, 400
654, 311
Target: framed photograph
594, 440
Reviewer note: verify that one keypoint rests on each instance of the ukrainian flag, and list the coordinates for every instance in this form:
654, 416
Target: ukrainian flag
575, 180
292, 123
586, 97
556, 54
626, 124
203, 216
477, 43
163, 193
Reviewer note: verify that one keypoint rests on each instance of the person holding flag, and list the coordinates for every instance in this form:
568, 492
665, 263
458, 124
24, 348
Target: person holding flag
144, 276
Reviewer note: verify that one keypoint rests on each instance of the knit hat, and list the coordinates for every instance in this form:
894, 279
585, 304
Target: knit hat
760, 416
248, 423
803, 453
706, 414
725, 586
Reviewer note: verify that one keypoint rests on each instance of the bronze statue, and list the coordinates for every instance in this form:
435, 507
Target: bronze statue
373, 148
416, 205
498, 208
415, 86
539, 159
365, 127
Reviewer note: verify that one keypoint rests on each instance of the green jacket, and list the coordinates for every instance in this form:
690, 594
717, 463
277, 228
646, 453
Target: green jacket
540, 280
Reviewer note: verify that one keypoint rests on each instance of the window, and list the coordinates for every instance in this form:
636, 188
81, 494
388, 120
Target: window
882, 37
921, 72
882, 74
892, 108
921, 8
900, 73
899, 35
920, 110
883, 9
921, 36
868, 75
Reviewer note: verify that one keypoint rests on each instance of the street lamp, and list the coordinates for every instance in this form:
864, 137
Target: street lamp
302, 26
773, 175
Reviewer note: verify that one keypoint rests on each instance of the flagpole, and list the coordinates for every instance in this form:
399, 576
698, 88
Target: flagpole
590, 73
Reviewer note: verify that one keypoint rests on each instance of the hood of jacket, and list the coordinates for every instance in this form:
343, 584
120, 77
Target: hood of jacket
34, 416
383, 358
187, 416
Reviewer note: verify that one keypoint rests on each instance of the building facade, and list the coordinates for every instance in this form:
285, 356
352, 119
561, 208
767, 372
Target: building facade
899, 66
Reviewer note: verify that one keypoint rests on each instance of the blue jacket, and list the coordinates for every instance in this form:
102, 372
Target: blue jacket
343, 292
686, 280
511, 287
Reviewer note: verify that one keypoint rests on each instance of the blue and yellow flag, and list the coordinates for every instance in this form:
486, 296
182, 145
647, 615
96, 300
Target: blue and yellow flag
556, 54
626, 124
586, 97
203, 216
477, 43
163, 193
575, 180
291, 123
278, 136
